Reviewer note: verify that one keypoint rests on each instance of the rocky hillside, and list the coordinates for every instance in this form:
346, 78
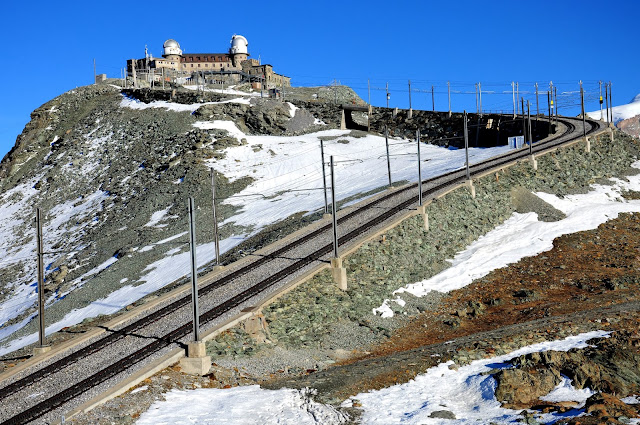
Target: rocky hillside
631, 126
112, 175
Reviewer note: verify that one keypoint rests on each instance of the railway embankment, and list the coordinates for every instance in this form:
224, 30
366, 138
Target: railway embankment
317, 315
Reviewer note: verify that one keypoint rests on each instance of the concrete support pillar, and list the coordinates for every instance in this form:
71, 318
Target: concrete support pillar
395, 112
472, 188
422, 210
197, 362
218, 268
610, 134
410, 114
343, 122
39, 350
534, 162
587, 147
339, 273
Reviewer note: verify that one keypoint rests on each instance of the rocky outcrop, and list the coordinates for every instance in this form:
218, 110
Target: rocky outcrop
631, 126
610, 367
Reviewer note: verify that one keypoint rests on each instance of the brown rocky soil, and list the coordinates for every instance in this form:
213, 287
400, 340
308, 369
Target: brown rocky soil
588, 281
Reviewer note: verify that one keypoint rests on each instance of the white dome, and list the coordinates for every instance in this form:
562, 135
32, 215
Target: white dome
239, 45
171, 47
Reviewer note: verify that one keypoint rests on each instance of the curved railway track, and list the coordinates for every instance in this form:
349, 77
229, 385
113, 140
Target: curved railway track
401, 200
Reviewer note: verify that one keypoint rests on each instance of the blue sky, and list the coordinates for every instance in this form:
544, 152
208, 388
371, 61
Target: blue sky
50, 46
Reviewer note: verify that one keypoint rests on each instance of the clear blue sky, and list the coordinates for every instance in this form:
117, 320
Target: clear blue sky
50, 46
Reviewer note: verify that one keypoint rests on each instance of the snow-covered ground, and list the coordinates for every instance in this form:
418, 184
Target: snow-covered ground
621, 112
227, 90
524, 235
468, 392
249, 405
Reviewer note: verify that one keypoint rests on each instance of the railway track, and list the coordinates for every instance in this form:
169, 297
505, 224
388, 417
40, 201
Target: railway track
315, 245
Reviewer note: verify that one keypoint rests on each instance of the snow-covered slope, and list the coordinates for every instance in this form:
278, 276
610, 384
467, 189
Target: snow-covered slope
621, 112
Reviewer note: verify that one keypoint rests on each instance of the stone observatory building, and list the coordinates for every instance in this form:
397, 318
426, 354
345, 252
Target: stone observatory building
232, 66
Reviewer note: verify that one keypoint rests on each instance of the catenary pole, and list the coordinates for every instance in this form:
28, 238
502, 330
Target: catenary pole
549, 105
584, 124
433, 99
529, 126
386, 141
466, 145
477, 107
215, 216
39, 241
601, 112
334, 210
513, 93
388, 95
480, 97
611, 100
606, 99
555, 95
419, 170
537, 101
194, 272
524, 119
517, 96
324, 178
449, 95
409, 94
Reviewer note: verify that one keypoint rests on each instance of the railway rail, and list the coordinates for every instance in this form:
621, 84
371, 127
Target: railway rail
314, 245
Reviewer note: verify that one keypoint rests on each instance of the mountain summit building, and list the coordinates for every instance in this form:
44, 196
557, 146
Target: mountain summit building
231, 67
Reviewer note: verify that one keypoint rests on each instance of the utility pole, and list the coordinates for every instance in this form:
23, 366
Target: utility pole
215, 217
94, 71
369, 90
466, 145
409, 94
513, 92
41, 329
419, 170
449, 94
194, 272
388, 95
386, 141
324, 179
433, 99
517, 96
584, 124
